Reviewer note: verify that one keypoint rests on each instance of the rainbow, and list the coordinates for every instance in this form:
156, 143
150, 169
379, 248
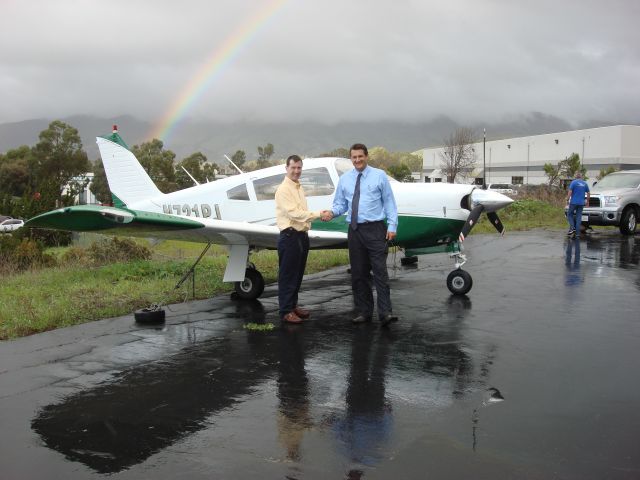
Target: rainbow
219, 60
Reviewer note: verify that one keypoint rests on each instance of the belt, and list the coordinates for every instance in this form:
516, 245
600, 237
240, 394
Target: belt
372, 222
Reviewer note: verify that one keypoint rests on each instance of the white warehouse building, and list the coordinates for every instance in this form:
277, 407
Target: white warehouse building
520, 160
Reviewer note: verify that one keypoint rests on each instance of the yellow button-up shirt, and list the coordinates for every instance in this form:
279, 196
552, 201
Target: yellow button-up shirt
291, 207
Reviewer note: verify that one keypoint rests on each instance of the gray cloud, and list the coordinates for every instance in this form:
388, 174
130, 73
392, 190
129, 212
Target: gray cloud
328, 61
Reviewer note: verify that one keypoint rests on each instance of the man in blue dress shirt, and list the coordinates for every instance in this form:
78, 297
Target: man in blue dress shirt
366, 196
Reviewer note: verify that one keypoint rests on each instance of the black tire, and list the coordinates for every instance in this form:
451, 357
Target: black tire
150, 316
408, 260
459, 282
629, 221
252, 286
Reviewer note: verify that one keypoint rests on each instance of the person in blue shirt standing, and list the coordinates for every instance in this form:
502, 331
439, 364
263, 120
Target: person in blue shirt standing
578, 188
365, 194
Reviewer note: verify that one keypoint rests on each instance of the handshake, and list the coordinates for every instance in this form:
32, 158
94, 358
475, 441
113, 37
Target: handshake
326, 215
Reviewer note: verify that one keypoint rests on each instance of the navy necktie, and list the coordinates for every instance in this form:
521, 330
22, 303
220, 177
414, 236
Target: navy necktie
355, 204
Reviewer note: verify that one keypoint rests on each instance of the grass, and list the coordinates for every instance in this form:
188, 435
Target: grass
40, 300
526, 214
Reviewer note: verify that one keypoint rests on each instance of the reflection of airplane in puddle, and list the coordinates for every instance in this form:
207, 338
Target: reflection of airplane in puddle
224, 383
239, 212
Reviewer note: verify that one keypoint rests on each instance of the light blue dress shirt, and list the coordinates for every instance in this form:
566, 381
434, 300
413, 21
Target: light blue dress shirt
376, 197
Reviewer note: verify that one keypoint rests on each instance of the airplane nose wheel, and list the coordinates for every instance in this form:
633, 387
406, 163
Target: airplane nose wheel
459, 282
252, 286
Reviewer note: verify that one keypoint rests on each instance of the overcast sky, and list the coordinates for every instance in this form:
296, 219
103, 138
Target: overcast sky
327, 60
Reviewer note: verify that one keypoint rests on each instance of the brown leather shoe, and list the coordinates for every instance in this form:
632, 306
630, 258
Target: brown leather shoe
302, 312
291, 317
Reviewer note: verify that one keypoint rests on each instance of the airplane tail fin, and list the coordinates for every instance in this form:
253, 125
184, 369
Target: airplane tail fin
128, 181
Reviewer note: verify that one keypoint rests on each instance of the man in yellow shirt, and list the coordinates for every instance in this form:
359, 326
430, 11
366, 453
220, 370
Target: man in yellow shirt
294, 221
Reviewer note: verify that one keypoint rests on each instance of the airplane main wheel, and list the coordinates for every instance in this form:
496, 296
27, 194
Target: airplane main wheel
252, 286
459, 282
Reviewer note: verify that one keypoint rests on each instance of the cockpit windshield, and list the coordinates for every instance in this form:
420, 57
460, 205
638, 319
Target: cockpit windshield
343, 166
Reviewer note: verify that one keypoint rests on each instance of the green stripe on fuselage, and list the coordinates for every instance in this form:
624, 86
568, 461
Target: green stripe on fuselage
413, 231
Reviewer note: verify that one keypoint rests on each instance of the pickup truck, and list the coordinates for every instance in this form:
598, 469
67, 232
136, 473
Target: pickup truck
615, 200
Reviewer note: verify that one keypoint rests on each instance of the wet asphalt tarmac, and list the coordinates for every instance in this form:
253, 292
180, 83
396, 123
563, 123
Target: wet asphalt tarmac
533, 375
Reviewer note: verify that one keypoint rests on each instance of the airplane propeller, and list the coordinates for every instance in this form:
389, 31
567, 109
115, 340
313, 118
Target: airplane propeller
485, 201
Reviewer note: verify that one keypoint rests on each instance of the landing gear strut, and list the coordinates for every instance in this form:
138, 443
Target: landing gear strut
459, 282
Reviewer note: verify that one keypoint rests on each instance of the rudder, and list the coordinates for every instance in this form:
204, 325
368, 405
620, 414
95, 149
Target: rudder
128, 181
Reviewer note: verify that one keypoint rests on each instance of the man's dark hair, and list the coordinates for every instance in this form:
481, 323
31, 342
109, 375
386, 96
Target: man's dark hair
359, 146
294, 159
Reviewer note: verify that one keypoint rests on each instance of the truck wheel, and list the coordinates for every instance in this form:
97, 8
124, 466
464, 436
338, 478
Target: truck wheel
628, 222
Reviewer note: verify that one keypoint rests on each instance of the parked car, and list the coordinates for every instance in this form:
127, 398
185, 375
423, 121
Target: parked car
10, 225
615, 200
502, 188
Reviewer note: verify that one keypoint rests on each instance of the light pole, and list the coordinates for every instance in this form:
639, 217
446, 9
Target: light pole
484, 165
527, 164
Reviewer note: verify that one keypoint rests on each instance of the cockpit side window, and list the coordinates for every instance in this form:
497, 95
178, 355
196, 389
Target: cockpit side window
316, 182
266, 187
238, 192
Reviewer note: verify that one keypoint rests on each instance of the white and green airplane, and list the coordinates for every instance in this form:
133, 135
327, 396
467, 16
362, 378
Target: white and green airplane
239, 212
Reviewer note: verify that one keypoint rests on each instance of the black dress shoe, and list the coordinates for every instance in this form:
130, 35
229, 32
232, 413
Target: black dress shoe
387, 319
361, 319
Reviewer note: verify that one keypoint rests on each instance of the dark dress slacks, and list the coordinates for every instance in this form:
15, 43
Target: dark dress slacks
293, 250
368, 253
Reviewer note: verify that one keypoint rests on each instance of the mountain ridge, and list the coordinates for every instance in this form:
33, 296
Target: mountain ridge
215, 139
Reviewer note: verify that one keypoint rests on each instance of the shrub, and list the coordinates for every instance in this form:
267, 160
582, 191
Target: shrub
74, 256
21, 254
117, 250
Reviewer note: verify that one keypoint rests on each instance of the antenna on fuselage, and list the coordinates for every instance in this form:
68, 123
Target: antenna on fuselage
185, 171
231, 162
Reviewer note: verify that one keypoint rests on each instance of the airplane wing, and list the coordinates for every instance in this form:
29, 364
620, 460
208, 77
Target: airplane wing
136, 223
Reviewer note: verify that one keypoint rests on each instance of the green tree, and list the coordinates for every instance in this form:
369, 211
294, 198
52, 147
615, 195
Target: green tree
158, 163
340, 152
401, 172
198, 167
264, 155
14, 171
413, 161
553, 173
239, 158
606, 171
380, 157
58, 164
100, 186
571, 165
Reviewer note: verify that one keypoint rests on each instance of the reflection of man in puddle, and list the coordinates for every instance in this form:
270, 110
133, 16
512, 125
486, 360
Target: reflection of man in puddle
572, 262
293, 391
368, 422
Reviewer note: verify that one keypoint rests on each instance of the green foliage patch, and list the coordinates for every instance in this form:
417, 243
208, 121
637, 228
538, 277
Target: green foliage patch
78, 290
